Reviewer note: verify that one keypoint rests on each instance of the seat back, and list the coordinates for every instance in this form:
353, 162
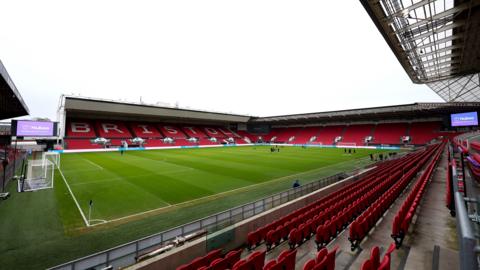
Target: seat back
219, 264
257, 260
233, 257
385, 264
287, 259
270, 265
321, 254
367, 265
331, 258
198, 262
212, 255
240, 265
309, 265
375, 257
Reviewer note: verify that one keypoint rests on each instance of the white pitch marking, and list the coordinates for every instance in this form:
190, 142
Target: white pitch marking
74, 199
93, 163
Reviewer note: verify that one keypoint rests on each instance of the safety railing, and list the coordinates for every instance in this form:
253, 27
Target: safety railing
467, 238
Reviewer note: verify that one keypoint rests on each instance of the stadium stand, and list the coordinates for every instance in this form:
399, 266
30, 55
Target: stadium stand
80, 129
283, 135
214, 132
193, 132
357, 134
424, 132
228, 132
328, 216
307, 135
244, 134
81, 144
407, 211
390, 133
172, 131
328, 134
145, 130
112, 130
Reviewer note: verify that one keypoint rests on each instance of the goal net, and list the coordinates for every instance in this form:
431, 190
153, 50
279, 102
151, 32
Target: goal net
40, 172
53, 157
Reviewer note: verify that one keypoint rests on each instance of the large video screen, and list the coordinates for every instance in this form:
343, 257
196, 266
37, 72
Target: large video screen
464, 119
23, 128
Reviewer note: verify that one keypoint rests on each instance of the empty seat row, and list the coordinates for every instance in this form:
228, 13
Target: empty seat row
366, 195
213, 261
325, 260
278, 230
306, 219
449, 201
405, 215
374, 263
395, 184
285, 261
255, 261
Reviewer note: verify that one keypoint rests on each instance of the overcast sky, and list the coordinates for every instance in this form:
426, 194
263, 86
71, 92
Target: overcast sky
248, 57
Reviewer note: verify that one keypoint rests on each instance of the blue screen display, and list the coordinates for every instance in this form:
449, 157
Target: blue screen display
464, 119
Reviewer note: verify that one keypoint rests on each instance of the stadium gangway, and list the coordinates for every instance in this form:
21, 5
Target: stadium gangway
469, 250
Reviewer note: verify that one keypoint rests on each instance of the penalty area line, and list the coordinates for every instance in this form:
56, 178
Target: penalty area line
93, 163
74, 199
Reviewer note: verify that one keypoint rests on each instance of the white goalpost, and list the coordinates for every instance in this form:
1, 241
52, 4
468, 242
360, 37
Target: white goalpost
40, 173
53, 157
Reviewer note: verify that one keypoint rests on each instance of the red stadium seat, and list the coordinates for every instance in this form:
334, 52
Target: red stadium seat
331, 258
241, 265
385, 264
367, 265
375, 257
233, 257
219, 264
198, 262
321, 254
309, 265
270, 265
287, 259
322, 265
257, 260
212, 255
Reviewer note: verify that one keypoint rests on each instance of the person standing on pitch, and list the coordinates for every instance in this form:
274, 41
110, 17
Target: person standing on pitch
296, 184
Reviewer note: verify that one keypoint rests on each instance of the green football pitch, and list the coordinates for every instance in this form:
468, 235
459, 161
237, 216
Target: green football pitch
145, 192
140, 182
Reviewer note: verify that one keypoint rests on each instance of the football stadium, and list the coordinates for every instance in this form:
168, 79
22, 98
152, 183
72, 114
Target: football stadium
116, 184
